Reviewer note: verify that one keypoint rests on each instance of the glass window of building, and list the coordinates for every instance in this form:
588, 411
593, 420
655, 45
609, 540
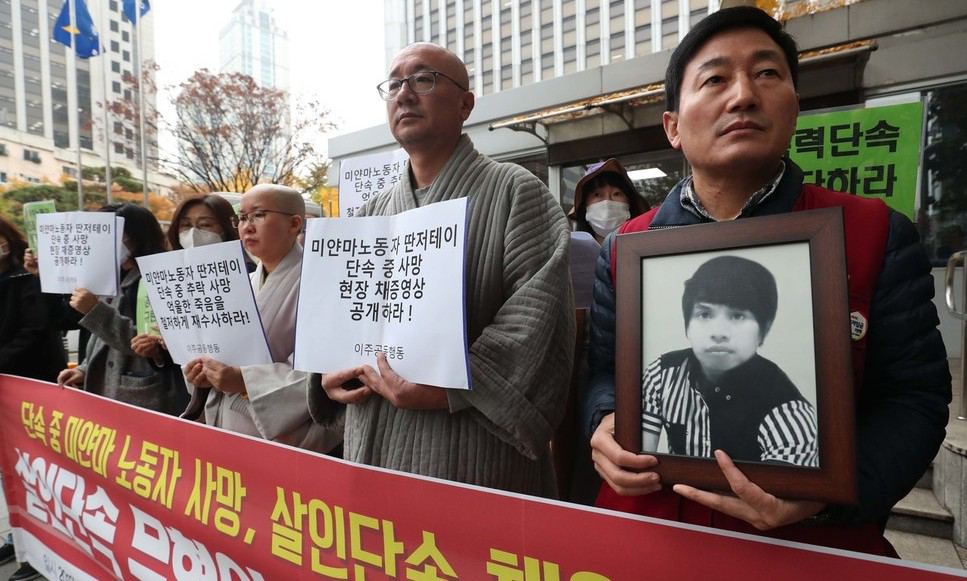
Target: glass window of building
669, 24
642, 27
943, 188
617, 28
8, 103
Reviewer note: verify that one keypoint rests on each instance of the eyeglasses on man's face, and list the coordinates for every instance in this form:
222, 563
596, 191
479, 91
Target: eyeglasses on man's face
420, 83
258, 216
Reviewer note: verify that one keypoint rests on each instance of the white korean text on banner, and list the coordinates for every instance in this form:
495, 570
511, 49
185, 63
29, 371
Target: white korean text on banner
203, 304
363, 178
78, 250
387, 283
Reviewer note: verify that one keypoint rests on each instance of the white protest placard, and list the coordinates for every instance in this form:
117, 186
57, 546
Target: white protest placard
364, 177
78, 250
387, 283
204, 305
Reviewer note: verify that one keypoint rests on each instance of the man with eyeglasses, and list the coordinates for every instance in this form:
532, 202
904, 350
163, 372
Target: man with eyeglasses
520, 313
265, 401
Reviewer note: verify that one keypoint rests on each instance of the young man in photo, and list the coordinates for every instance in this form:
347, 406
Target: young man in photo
720, 394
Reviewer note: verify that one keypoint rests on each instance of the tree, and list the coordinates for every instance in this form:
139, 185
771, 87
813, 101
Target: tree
316, 177
127, 112
232, 133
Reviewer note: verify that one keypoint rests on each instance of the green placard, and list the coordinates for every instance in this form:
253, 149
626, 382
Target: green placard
147, 323
31, 209
873, 152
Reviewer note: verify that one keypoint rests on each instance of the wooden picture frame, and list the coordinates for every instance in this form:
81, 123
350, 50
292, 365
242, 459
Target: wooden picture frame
805, 253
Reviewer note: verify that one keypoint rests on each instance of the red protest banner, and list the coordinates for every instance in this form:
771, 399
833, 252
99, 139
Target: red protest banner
99, 489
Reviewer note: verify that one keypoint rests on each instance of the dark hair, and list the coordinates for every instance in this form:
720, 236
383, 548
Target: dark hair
15, 238
716, 23
141, 228
220, 207
636, 205
735, 282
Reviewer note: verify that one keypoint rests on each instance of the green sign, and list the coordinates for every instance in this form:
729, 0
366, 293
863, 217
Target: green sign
147, 323
31, 209
872, 152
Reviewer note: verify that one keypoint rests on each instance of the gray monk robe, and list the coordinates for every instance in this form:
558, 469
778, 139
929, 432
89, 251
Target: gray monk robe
520, 325
275, 405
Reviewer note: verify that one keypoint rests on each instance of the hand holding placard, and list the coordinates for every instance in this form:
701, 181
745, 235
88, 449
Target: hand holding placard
83, 300
341, 386
206, 371
398, 391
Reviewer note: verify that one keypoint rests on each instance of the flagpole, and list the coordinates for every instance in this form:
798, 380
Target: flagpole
77, 113
140, 69
107, 136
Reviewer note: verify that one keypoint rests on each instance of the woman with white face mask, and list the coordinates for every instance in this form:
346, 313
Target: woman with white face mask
605, 199
196, 222
202, 221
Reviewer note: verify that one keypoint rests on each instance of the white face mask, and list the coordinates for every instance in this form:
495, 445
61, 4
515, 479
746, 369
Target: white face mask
125, 254
606, 215
194, 237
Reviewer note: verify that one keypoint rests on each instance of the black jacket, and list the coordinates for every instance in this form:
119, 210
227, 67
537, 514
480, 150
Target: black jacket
30, 345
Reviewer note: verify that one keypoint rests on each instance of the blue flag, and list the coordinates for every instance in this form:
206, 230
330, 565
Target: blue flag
132, 13
88, 42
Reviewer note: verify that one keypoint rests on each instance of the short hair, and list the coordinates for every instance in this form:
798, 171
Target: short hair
15, 238
287, 199
717, 23
224, 215
141, 228
735, 282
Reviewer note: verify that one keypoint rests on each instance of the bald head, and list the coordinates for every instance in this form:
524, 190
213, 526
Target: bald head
428, 124
436, 57
281, 198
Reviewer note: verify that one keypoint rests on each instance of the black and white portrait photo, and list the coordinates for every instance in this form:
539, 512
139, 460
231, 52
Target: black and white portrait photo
728, 357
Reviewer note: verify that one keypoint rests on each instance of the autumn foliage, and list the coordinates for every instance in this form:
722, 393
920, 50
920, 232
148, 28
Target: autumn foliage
231, 133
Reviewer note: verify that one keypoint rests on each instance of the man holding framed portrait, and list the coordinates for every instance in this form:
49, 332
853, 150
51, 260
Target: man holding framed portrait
732, 104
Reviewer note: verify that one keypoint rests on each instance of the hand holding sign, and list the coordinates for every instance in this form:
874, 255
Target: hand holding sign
147, 346
212, 372
71, 378
343, 386
30, 262
401, 393
83, 300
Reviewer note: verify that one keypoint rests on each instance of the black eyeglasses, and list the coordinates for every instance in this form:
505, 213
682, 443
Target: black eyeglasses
420, 83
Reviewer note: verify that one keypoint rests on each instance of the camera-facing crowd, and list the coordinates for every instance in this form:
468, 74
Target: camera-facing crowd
732, 104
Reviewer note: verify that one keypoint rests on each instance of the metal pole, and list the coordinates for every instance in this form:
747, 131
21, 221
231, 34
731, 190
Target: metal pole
77, 92
963, 351
144, 153
959, 257
107, 135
